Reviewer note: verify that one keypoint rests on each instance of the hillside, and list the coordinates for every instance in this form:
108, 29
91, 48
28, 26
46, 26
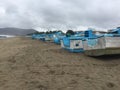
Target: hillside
15, 31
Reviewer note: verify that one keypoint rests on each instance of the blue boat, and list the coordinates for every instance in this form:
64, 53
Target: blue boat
74, 43
38, 36
48, 37
58, 37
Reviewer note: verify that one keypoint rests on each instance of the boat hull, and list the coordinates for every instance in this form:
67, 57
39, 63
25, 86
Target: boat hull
73, 46
100, 52
102, 46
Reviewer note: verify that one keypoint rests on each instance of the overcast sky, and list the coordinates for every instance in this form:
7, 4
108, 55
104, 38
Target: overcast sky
60, 14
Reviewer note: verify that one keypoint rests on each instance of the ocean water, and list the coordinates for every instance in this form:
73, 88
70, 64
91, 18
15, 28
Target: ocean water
6, 36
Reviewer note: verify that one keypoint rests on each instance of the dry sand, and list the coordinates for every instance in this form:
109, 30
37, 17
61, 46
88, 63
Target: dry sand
27, 64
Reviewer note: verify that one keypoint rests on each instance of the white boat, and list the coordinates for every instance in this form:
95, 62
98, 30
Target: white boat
107, 44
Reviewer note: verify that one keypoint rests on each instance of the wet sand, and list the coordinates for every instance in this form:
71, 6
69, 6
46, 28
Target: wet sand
27, 64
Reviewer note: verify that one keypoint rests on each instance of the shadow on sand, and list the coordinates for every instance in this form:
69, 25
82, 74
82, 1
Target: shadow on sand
108, 57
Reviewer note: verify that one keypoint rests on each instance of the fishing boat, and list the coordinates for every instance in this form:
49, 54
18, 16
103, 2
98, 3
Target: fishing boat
58, 37
106, 44
38, 36
73, 43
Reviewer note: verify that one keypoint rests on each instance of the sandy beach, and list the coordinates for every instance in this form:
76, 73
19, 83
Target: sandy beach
27, 64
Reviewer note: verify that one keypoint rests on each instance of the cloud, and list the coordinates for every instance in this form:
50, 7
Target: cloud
60, 14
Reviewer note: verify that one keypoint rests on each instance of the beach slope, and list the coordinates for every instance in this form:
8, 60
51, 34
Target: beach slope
27, 64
